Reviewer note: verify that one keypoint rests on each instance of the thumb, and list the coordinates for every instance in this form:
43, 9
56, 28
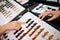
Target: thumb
52, 18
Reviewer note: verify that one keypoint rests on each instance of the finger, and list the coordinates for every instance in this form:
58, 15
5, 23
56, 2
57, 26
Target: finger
40, 15
20, 1
45, 14
21, 22
52, 18
18, 27
43, 17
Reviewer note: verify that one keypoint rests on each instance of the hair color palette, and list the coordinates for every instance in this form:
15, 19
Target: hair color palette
37, 30
9, 9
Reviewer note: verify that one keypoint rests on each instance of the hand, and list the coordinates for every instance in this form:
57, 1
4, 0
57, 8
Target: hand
15, 25
55, 14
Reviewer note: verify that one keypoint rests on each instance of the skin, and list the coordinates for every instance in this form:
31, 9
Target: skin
55, 15
20, 1
14, 25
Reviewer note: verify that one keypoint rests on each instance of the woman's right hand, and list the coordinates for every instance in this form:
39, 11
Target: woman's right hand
14, 25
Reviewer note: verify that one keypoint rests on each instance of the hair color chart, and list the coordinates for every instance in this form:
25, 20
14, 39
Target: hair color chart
43, 8
34, 29
9, 10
